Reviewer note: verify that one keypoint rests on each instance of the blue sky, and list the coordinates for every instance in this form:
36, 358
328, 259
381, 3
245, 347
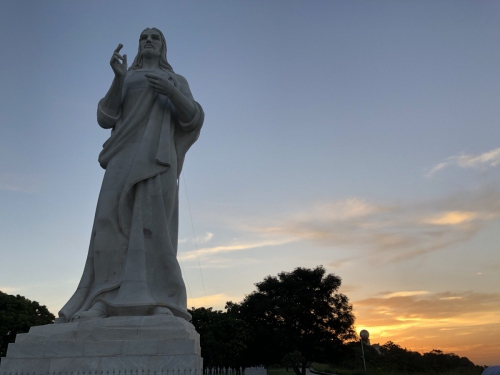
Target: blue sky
360, 135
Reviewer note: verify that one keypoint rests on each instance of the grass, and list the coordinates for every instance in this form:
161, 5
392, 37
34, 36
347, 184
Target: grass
280, 371
327, 368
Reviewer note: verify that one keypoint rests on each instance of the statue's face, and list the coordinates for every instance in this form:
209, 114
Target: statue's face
150, 42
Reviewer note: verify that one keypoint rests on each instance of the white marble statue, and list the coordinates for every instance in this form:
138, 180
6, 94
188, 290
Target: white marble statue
131, 267
131, 277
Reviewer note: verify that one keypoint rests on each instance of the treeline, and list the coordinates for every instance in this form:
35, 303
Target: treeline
391, 357
290, 320
297, 318
228, 340
17, 315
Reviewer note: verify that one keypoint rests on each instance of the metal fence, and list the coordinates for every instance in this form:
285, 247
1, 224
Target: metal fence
175, 371
107, 372
235, 371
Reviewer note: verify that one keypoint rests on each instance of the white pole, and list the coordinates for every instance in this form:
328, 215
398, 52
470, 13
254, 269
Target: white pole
362, 353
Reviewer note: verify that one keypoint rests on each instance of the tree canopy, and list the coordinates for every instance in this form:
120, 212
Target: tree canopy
296, 312
223, 337
17, 315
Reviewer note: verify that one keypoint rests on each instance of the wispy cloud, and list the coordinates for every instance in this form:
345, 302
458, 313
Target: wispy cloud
347, 288
193, 254
207, 237
451, 218
405, 293
340, 262
203, 239
389, 232
366, 231
23, 183
8, 290
217, 301
486, 159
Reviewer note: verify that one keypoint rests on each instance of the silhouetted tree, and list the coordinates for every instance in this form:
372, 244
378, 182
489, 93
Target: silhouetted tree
298, 311
393, 358
441, 362
223, 337
17, 315
293, 360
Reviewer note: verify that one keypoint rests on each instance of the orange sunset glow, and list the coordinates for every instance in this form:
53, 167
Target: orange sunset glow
467, 324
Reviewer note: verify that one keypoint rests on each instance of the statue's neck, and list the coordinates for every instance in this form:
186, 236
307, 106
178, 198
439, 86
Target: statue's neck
150, 63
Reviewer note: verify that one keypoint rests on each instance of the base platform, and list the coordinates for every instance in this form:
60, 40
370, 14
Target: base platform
160, 344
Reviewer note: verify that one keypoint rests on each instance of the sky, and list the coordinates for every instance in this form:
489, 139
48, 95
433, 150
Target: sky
359, 135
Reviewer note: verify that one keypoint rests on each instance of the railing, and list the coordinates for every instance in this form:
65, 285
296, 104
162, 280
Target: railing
223, 371
107, 372
178, 371
235, 371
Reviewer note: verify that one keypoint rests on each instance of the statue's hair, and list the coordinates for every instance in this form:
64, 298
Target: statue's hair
137, 64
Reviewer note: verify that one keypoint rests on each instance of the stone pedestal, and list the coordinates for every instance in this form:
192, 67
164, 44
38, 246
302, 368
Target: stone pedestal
158, 344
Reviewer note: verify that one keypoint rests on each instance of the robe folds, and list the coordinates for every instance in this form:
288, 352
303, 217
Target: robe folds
132, 262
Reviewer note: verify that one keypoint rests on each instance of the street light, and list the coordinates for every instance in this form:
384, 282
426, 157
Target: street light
364, 335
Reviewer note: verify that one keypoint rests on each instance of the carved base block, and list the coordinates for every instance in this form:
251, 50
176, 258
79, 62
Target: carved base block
124, 345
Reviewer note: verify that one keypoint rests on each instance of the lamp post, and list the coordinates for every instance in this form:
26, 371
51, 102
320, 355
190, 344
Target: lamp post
364, 335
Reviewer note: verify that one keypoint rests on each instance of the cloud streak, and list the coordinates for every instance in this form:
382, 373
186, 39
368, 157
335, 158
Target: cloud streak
8, 290
371, 231
206, 251
217, 301
484, 160
452, 218
206, 238
22, 183
389, 233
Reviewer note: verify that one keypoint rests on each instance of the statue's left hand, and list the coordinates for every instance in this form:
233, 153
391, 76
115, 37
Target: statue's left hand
160, 84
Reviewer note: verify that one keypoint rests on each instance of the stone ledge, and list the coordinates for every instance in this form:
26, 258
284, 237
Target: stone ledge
70, 349
152, 343
104, 365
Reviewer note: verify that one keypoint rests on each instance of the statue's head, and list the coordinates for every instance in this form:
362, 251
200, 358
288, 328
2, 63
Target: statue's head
152, 43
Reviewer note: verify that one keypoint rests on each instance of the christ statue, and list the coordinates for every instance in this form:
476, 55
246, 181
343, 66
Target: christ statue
132, 266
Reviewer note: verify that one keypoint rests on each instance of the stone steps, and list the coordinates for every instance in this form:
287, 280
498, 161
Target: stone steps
103, 365
151, 343
101, 348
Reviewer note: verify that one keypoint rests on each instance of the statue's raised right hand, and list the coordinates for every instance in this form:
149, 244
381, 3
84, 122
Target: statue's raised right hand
119, 63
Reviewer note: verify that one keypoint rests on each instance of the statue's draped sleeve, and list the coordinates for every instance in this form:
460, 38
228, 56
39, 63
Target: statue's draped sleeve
190, 131
105, 120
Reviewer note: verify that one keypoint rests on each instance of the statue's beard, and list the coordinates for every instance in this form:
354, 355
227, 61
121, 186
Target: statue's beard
149, 52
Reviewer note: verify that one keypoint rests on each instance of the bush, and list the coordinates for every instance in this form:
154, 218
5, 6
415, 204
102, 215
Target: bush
17, 315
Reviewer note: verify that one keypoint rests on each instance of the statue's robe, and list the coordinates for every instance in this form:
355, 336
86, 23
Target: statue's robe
132, 262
